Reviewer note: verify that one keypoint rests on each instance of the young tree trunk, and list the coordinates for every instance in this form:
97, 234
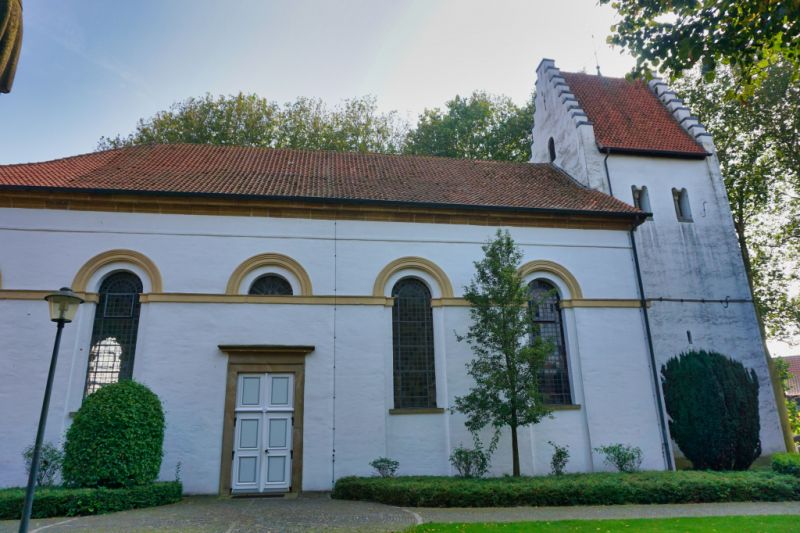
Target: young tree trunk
515, 450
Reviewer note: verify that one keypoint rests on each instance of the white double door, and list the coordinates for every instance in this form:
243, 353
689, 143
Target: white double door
262, 452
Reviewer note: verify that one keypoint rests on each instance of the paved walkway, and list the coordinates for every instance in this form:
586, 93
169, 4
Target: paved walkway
319, 513
212, 514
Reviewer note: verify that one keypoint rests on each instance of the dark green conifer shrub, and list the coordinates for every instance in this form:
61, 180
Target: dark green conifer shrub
116, 438
712, 402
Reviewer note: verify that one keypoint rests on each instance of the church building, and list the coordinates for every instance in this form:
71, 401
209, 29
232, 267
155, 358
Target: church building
297, 312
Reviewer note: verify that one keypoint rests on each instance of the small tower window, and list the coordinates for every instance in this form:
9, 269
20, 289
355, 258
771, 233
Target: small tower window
551, 147
641, 199
682, 209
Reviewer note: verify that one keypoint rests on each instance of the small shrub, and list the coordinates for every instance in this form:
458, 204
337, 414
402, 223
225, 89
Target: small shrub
50, 460
559, 460
385, 467
469, 462
623, 457
116, 438
712, 402
786, 463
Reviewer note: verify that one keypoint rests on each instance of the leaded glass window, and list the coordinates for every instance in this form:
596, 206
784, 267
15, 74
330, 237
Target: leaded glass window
271, 285
412, 338
554, 376
116, 323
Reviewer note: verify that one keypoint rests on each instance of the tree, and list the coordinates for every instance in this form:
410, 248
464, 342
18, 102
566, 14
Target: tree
508, 355
482, 126
758, 146
747, 35
712, 402
250, 120
791, 405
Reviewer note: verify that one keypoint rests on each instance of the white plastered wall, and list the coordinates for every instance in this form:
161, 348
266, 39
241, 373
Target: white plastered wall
177, 352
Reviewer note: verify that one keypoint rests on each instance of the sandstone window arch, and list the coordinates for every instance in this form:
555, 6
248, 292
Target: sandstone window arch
252, 269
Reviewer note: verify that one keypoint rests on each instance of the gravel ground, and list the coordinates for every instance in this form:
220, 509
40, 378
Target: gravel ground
317, 512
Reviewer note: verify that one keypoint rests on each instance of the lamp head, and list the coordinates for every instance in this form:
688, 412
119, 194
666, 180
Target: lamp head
63, 305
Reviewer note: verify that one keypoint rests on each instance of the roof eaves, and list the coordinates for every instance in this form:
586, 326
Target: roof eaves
635, 217
650, 152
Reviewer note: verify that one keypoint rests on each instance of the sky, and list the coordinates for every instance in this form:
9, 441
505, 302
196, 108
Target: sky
91, 68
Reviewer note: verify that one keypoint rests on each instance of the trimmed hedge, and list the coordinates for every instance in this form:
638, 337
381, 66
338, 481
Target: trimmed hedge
78, 502
573, 489
115, 439
786, 463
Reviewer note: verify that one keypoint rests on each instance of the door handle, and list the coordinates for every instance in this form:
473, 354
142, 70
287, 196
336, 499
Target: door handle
266, 451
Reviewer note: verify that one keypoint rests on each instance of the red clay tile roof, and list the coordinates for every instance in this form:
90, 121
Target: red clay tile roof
316, 175
628, 117
794, 380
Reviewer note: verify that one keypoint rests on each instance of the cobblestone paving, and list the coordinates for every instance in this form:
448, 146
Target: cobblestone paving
229, 515
313, 512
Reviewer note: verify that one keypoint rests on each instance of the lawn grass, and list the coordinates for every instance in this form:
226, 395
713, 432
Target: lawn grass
709, 524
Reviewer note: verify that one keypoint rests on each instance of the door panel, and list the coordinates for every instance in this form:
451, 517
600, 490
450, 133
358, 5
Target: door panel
280, 390
247, 456
278, 451
250, 390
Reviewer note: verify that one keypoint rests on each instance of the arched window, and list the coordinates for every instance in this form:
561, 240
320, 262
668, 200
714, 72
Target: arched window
551, 148
271, 285
116, 323
554, 377
412, 338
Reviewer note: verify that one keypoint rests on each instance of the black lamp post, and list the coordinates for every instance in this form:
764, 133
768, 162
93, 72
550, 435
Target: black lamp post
63, 306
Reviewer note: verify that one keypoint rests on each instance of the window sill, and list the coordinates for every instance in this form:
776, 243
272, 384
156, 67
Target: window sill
564, 406
417, 411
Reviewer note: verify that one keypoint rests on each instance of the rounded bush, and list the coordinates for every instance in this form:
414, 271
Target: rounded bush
712, 402
116, 438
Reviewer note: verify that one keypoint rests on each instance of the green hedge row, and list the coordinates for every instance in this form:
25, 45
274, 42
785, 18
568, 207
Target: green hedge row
573, 489
786, 463
77, 502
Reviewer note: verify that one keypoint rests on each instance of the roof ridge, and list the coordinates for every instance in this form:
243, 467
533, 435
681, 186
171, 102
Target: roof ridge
123, 149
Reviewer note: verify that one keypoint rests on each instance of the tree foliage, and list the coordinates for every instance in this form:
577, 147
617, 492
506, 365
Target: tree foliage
116, 438
508, 355
250, 120
712, 402
792, 409
481, 126
747, 35
758, 146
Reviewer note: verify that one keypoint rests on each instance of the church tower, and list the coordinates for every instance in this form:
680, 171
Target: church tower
638, 142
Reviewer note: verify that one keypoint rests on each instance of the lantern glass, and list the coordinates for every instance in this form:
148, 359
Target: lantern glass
63, 305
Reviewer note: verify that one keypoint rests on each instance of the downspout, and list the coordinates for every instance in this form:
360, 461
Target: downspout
608, 176
659, 399
653, 367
